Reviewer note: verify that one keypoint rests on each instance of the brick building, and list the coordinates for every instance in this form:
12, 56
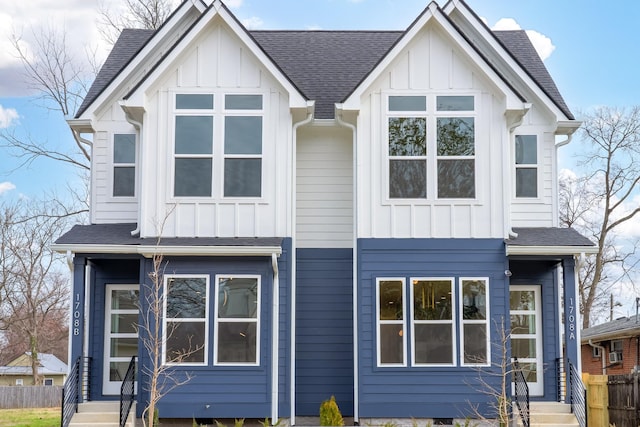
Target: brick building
612, 348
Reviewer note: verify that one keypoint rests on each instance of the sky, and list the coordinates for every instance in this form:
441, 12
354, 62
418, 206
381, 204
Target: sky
590, 48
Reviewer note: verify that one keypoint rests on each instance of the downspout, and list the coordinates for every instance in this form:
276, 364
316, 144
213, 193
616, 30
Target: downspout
292, 372
602, 354
70, 265
506, 165
275, 337
138, 126
356, 388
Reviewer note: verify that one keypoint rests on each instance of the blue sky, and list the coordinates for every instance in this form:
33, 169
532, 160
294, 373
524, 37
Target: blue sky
593, 56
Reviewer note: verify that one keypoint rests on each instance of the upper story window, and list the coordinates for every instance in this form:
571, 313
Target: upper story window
124, 165
436, 147
526, 166
218, 145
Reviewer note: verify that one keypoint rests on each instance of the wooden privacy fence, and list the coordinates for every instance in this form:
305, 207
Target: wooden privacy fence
15, 397
624, 400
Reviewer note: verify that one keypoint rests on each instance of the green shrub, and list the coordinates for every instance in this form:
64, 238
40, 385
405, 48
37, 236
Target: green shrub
330, 413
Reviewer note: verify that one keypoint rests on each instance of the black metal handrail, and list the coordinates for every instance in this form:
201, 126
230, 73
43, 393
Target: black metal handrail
522, 393
578, 396
70, 394
127, 392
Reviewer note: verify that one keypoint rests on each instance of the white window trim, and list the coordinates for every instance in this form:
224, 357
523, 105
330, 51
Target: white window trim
19, 382
230, 320
402, 322
536, 165
112, 165
193, 320
596, 352
452, 322
612, 346
44, 381
217, 156
431, 114
476, 322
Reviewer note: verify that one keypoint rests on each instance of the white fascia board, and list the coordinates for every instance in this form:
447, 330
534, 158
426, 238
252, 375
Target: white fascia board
138, 60
296, 100
550, 250
150, 250
568, 127
505, 56
433, 12
81, 125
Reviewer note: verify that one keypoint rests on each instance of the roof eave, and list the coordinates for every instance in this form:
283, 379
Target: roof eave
550, 250
607, 336
149, 251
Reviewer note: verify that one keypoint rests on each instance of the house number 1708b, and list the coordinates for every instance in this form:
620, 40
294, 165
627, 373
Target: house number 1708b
76, 315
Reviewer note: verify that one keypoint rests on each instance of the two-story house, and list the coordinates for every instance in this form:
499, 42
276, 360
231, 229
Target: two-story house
348, 213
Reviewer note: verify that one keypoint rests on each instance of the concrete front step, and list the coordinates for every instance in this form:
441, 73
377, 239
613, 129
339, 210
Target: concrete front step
550, 414
101, 414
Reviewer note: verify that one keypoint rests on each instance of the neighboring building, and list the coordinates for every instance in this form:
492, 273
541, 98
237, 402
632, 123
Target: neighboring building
18, 372
346, 213
612, 348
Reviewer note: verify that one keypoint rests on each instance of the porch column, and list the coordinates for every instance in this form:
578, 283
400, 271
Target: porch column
571, 317
77, 310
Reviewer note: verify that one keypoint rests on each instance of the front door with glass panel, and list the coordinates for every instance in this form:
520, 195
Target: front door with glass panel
120, 334
526, 334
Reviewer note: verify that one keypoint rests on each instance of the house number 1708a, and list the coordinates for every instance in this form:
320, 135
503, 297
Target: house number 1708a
76, 315
572, 320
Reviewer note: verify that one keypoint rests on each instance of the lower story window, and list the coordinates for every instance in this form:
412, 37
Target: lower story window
474, 321
237, 320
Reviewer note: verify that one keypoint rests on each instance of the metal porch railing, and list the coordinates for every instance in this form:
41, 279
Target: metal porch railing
578, 395
127, 392
71, 394
521, 393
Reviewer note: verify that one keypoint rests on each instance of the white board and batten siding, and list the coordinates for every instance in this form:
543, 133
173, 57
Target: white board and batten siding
216, 62
324, 187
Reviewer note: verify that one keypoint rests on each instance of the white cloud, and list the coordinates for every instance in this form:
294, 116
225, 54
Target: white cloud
8, 116
6, 186
543, 44
233, 4
253, 23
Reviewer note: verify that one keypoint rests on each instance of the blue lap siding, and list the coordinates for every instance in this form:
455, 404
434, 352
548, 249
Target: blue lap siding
324, 329
426, 392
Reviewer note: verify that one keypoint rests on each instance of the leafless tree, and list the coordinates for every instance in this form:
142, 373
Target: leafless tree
33, 289
149, 14
600, 203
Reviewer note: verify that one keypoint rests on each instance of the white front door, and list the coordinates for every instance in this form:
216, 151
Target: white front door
526, 334
120, 334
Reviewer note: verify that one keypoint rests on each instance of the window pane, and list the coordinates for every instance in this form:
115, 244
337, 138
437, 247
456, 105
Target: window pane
391, 344
186, 297
192, 178
243, 102
522, 300
524, 324
526, 150
242, 177
454, 103
523, 348
124, 300
124, 347
456, 179
237, 342
407, 103
431, 300
475, 343
124, 181
407, 179
238, 298
185, 342
194, 135
195, 101
526, 182
124, 323
530, 372
433, 343
242, 135
117, 370
474, 299
124, 148
407, 136
391, 300
456, 136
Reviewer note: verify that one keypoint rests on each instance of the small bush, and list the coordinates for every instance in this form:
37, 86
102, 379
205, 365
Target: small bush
330, 413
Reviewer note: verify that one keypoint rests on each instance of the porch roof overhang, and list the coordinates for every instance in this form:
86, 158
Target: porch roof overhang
548, 241
117, 239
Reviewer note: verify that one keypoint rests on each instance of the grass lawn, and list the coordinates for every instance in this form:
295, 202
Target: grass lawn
30, 417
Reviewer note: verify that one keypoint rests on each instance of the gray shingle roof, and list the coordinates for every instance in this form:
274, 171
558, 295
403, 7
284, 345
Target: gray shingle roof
622, 327
326, 66
519, 45
120, 234
551, 236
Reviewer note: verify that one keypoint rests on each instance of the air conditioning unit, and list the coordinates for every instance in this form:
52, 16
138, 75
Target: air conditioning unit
615, 357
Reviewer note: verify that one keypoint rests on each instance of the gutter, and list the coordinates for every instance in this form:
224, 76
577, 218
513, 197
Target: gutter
514, 120
149, 251
128, 115
602, 354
